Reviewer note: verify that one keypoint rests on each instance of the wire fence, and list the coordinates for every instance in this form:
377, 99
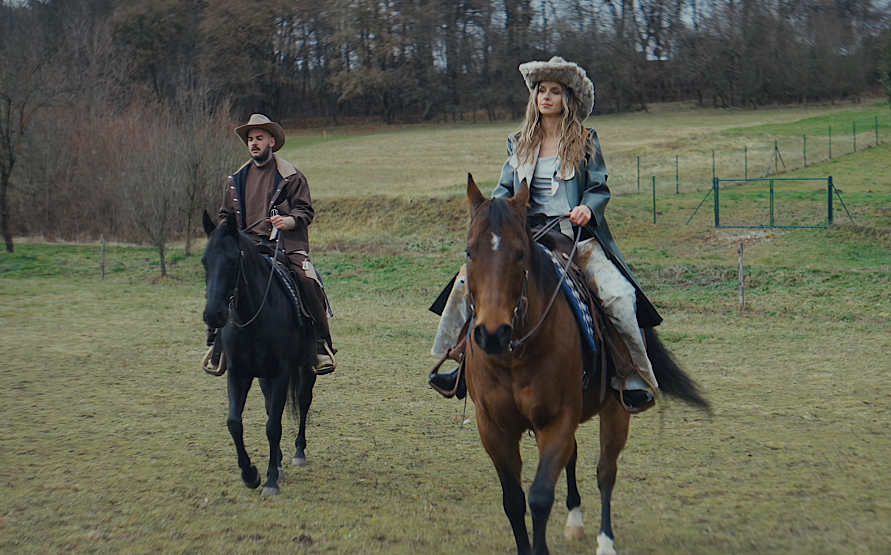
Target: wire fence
695, 169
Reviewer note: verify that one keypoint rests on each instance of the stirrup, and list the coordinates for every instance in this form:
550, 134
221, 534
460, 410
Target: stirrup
456, 390
207, 362
635, 401
322, 369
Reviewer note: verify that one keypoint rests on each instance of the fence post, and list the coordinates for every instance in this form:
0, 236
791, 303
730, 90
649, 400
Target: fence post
742, 277
677, 177
830, 187
747, 160
638, 174
771, 203
830, 142
855, 135
103, 255
715, 188
713, 164
654, 199
805, 150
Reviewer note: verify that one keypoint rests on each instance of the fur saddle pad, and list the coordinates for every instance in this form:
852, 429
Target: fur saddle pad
578, 299
289, 285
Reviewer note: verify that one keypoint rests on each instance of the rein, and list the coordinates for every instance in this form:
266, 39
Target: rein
523, 301
233, 300
514, 344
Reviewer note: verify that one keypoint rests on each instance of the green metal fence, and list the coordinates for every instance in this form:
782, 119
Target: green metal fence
781, 203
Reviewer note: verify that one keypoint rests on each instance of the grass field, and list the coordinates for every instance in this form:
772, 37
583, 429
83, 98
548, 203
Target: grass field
113, 440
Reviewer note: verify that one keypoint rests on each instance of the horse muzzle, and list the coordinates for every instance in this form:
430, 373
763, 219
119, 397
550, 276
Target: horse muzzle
215, 318
493, 343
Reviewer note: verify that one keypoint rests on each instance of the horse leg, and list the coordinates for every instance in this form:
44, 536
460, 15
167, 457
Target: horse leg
304, 400
267, 400
278, 396
555, 447
238, 391
575, 526
614, 424
505, 454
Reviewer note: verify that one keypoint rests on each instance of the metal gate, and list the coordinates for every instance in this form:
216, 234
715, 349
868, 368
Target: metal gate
782, 203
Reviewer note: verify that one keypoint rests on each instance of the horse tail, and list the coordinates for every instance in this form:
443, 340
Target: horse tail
302, 376
673, 381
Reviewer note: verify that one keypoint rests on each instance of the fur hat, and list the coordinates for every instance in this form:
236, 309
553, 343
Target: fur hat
566, 73
261, 121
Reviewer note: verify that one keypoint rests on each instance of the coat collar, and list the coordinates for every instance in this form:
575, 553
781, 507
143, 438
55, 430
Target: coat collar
285, 168
527, 170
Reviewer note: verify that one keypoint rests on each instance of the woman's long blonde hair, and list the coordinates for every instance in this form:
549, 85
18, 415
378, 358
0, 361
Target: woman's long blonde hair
573, 136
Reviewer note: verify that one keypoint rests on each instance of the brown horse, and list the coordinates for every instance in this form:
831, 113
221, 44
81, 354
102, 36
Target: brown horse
535, 383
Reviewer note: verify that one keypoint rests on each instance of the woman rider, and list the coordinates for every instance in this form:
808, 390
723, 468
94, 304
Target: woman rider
562, 162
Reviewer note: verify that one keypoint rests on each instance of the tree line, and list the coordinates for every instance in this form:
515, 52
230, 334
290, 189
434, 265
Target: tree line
116, 115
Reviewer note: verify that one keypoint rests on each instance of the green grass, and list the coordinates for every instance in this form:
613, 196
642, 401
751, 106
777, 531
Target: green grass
114, 441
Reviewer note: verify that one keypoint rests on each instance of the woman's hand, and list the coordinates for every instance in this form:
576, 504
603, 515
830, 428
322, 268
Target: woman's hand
580, 215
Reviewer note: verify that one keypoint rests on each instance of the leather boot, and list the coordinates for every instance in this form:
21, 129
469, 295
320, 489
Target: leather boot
452, 383
325, 363
449, 384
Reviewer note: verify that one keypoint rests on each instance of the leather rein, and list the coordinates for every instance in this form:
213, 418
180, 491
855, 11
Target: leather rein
522, 306
234, 298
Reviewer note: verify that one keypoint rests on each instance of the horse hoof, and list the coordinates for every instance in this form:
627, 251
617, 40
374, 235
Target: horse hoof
299, 462
270, 492
605, 545
574, 533
255, 483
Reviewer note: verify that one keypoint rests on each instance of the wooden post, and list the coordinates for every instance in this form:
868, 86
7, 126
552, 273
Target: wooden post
654, 199
742, 277
103, 255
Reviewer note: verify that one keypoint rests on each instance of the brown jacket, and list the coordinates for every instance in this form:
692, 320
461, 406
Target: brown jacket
291, 198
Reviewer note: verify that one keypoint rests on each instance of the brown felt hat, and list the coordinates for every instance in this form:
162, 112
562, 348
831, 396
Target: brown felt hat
261, 121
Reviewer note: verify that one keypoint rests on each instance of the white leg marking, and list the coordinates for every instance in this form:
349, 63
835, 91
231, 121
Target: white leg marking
605, 545
575, 527
496, 242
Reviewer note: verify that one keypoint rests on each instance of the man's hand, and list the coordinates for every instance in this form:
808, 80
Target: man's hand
284, 223
580, 215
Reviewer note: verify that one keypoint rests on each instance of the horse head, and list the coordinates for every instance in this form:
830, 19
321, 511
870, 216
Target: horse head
498, 252
221, 260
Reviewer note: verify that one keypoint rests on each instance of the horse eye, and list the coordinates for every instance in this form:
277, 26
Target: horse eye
521, 255
467, 252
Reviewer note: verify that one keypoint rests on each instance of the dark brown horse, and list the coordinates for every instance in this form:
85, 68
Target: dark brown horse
537, 385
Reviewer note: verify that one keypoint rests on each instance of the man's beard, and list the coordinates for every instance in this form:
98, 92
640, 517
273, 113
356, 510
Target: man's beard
263, 156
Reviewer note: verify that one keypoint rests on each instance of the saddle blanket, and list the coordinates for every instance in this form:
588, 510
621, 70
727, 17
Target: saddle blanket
576, 300
287, 283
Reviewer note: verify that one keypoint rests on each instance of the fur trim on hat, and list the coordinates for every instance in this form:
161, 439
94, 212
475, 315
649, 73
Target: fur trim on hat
261, 121
566, 73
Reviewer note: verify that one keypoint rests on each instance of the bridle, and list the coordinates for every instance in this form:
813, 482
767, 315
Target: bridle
233, 299
522, 305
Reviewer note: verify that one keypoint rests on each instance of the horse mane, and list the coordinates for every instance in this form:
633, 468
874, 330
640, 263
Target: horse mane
544, 274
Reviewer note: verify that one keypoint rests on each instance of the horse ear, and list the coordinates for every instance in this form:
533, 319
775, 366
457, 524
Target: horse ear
232, 224
209, 226
521, 196
473, 193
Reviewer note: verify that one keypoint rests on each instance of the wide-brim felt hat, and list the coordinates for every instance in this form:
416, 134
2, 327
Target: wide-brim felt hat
566, 73
262, 122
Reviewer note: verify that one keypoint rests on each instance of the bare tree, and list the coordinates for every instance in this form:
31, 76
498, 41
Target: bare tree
207, 150
152, 180
29, 82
